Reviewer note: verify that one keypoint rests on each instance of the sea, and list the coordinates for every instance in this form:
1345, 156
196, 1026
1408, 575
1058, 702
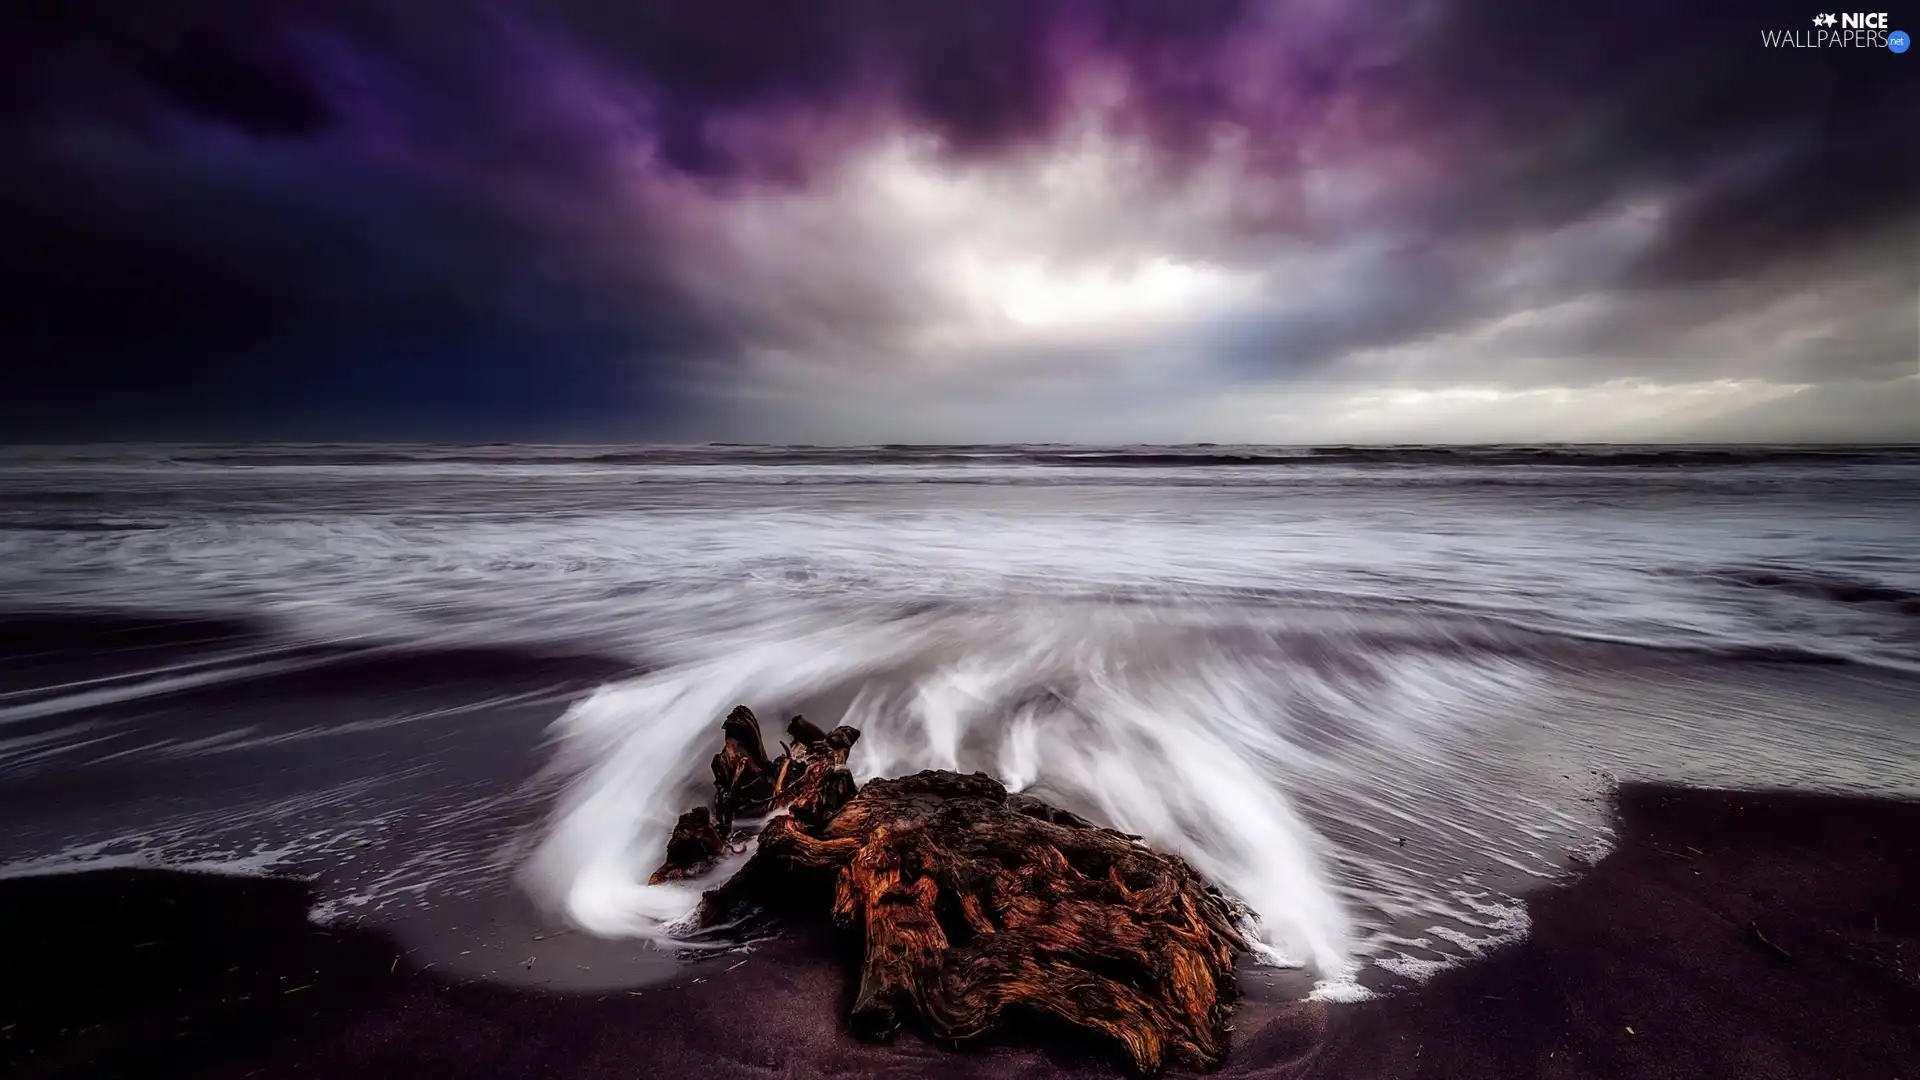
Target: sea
1378, 694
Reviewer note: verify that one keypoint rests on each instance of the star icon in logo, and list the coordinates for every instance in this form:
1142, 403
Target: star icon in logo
1824, 20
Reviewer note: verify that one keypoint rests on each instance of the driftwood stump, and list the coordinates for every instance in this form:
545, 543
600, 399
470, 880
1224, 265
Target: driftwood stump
974, 904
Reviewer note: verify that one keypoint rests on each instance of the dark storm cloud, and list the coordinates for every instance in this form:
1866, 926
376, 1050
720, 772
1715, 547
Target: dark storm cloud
981, 75
220, 80
211, 242
491, 217
221, 235
242, 313
1549, 116
1582, 105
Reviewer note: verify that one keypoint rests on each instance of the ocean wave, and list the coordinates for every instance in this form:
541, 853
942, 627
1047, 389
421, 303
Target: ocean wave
1236, 732
1009, 697
1285, 678
1327, 628
1832, 587
1281, 742
82, 525
1197, 736
1197, 456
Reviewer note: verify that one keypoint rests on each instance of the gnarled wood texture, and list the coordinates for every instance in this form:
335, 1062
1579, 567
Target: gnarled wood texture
976, 905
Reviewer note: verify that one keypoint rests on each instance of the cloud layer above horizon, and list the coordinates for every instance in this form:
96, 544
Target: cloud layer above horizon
1019, 220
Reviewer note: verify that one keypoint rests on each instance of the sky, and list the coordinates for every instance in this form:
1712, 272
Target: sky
858, 221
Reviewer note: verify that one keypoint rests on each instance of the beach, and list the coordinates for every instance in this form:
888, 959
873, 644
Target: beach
1730, 934
401, 731
1007, 540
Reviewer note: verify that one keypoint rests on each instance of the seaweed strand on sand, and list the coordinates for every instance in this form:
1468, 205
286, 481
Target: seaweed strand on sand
975, 905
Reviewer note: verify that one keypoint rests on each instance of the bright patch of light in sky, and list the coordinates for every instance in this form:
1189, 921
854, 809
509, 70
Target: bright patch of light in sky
1030, 292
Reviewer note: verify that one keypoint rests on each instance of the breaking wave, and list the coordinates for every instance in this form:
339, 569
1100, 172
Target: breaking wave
1058, 456
1198, 734
1370, 700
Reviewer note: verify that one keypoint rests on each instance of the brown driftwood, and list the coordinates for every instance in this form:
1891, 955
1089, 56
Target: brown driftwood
976, 905
692, 849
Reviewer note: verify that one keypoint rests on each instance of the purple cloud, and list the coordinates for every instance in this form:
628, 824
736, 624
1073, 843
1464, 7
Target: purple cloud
665, 219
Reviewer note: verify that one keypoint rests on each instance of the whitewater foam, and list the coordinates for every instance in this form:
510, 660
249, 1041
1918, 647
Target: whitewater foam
1180, 730
143, 852
1337, 686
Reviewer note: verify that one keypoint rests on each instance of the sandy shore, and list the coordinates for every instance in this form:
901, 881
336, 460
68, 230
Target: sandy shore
1730, 935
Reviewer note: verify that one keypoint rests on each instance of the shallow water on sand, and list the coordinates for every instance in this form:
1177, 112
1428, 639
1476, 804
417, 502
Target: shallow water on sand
1377, 697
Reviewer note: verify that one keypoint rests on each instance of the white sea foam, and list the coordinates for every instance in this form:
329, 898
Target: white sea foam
141, 852
1318, 683
1151, 721
1345, 989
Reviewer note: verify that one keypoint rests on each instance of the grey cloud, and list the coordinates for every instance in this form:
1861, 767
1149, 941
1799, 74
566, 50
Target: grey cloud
596, 213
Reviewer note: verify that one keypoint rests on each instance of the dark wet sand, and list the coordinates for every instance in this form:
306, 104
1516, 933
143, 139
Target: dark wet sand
1652, 965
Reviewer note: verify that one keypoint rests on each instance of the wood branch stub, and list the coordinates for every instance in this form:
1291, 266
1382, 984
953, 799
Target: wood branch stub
742, 775
693, 849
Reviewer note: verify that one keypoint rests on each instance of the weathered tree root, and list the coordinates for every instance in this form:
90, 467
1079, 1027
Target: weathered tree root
976, 904
810, 780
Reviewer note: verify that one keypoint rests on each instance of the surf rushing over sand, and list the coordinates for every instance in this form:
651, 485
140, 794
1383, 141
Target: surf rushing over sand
1379, 695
